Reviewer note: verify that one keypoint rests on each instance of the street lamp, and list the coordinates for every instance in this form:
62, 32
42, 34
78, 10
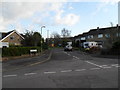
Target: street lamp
41, 37
48, 38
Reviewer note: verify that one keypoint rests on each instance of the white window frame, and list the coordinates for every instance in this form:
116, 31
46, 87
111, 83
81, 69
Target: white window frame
82, 38
100, 35
91, 36
107, 35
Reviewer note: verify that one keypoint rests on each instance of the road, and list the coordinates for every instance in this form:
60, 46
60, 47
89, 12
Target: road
64, 70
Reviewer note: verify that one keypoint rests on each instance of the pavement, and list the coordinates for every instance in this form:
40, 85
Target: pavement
74, 69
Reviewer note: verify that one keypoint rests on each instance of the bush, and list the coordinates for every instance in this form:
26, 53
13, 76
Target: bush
105, 51
116, 45
115, 50
17, 51
94, 49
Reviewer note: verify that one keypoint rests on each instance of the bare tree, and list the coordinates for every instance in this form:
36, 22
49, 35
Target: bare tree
65, 33
55, 35
56, 38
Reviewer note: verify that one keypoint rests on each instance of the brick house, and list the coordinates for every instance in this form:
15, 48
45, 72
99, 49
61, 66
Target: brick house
10, 38
104, 36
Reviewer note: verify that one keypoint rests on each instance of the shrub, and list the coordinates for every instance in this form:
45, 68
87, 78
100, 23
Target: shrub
17, 51
105, 51
115, 50
116, 45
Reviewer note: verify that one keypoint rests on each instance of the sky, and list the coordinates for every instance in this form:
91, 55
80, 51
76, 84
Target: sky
74, 15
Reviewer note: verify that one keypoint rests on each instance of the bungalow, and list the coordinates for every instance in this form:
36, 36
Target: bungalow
10, 38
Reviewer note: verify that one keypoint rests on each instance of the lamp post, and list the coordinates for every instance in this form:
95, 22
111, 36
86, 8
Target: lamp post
41, 37
48, 38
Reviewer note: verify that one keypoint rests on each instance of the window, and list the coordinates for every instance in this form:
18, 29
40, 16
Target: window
82, 38
11, 37
100, 35
86, 44
107, 35
118, 34
90, 36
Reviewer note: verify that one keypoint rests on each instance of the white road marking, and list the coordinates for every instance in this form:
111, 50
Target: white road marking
93, 64
94, 68
106, 67
74, 56
9, 75
77, 57
66, 71
30, 73
114, 65
117, 66
69, 54
78, 70
49, 72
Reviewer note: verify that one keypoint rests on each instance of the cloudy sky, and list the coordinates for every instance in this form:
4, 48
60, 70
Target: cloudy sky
75, 15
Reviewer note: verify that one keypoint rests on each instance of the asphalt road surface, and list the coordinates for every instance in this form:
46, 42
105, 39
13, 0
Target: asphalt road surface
64, 70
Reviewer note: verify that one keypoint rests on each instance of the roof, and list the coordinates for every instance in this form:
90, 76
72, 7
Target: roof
96, 31
5, 35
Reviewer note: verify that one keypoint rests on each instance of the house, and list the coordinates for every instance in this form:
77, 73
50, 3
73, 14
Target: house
104, 36
58, 41
10, 38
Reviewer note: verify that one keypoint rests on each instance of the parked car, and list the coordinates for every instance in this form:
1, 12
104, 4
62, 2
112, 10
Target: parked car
68, 48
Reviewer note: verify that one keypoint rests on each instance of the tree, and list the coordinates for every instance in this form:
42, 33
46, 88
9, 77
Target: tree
56, 38
31, 39
36, 38
28, 39
65, 33
55, 35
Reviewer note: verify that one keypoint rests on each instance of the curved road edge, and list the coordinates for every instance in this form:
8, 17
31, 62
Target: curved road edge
31, 64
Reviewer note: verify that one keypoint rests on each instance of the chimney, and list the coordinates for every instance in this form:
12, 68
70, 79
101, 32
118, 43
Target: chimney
97, 28
117, 25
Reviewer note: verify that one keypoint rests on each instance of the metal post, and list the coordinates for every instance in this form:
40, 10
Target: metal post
41, 37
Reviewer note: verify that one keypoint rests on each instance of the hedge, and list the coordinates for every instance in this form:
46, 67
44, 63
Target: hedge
17, 51
115, 50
